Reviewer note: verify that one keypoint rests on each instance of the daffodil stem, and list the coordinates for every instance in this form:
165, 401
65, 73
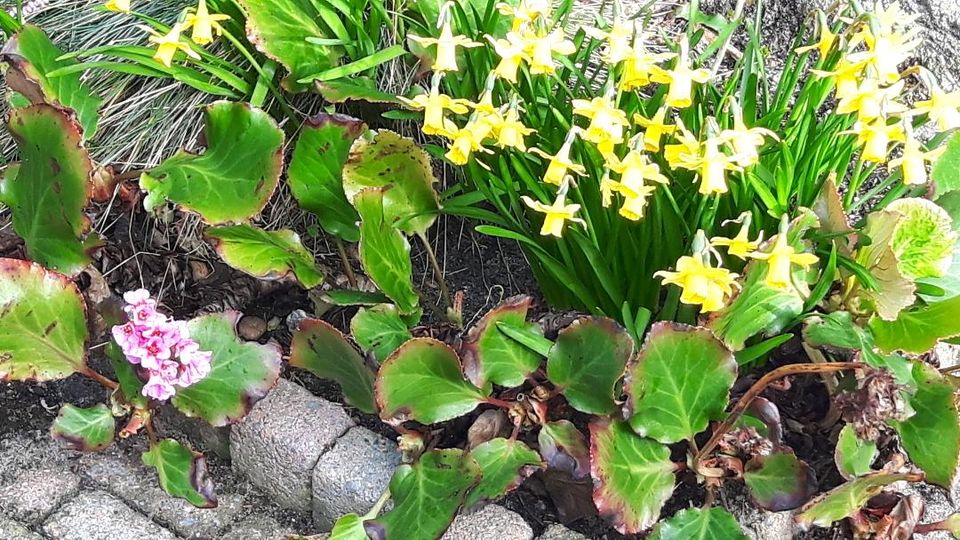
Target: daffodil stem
737, 12
437, 271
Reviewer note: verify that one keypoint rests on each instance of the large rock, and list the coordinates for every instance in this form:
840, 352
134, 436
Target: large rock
352, 476
258, 527
12, 530
490, 522
559, 532
170, 422
35, 494
95, 515
278, 444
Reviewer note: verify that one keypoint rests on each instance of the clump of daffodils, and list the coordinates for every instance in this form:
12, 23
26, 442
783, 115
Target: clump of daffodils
204, 25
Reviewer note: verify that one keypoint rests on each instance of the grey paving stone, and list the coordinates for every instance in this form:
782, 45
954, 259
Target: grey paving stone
352, 475
24, 450
559, 532
202, 436
96, 515
12, 530
278, 444
137, 485
490, 522
34, 494
256, 527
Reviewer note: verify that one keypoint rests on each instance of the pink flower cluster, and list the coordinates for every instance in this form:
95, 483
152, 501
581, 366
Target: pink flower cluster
161, 346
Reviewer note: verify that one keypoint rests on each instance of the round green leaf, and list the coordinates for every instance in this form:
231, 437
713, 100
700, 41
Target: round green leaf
894, 291
51, 188
843, 501
924, 238
587, 360
699, 524
385, 252
316, 171
779, 481
380, 330
395, 163
423, 381
233, 179
322, 350
43, 328
87, 430
932, 435
241, 373
679, 382
348, 527
266, 254
182, 472
853, 455
490, 356
632, 476
426, 496
30, 55
564, 448
505, 464
918, 330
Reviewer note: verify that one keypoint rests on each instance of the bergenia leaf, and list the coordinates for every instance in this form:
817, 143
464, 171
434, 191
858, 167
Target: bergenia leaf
918, 330
932, 435
946, 171
402, 169
699, 524
779, 481
182, 472
843, 501
423, 381
43, 328
426, 496
924, 239
853, 455
380, 330
587, 360
241, 372
51, 189
315, 174
632, 476
564, 448
348, 527
490, 356
679, 382
385, 252
505, 463
29, 56
894, 291
323, 350
232, 180
344, 90
88, 430
837, 330
274, 255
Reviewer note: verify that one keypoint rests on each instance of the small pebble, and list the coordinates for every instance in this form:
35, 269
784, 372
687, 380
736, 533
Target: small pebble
251, 328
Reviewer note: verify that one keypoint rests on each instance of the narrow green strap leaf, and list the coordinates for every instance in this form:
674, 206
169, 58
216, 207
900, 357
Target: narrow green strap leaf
358, 66
530, 339
491, 356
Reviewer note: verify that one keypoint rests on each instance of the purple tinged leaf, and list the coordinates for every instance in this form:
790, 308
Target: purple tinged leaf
182, 472
780, 481
565, 448
88, 430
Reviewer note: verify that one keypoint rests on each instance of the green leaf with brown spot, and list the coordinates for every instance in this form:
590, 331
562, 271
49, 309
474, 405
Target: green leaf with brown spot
342, 91
316, 172
632, 476
387, 160
564, 448
587, 360
505, 463
182, 472
88, 430
241, 372
490, 356
679, 382
426, 496
273, 255
50, 191
779, 481
29, 56
232, 180
385, 252
699, 524
853, 455
324, 351
43, 327
843, 501
379, 330
423, 381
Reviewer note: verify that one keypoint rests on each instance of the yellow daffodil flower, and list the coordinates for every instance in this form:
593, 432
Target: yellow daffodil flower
120, 6
527, 12
702, 284
447, 43
887, 45
638, 65
870, 101
680, 78
685, 154
846, 77
560, 164
606, 121
913, 162
511, 131
466, 141
740, 246
607, 187
512, 53
827, 38
780, 260
745, 141
713, 168
434, 106
634, 199
542, 48
635, 169
875, 138
943, 108
204, 24
617, 40
654, 129
168, 44
557, 214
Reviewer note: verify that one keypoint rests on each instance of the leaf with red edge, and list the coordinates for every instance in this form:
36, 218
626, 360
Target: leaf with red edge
89, 430
271, 255
490, 356
324, 351
182, 472
780, 481
423, 381
505, 463
43, 326
633, 476
699, 524
565, 448
843, 501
